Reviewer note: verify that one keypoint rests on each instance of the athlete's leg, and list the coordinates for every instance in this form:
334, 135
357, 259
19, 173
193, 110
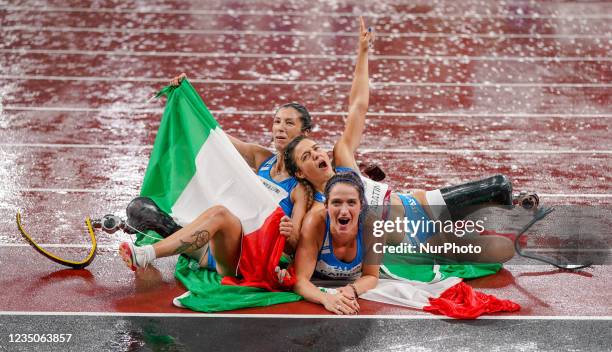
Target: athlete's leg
492, 248
217, 225
457, 202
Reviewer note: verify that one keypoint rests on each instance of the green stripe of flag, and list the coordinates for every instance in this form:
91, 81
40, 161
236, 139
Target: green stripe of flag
185, 126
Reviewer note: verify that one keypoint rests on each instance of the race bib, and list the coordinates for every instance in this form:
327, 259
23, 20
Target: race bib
374, 191
278, 192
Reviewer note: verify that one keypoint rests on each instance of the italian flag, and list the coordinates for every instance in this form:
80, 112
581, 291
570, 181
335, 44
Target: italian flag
436, 286
194, 166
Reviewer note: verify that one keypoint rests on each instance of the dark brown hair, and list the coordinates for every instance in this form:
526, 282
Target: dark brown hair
304, 114
292, 168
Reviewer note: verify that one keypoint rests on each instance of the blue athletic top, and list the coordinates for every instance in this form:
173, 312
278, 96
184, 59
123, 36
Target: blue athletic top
414, 212
319, 197
287, 184
330, 267
345, 169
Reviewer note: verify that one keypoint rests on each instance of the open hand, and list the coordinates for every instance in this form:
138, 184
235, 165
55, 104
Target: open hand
347, 292
339, 304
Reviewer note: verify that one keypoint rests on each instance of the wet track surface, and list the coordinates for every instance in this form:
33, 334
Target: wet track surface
459, 90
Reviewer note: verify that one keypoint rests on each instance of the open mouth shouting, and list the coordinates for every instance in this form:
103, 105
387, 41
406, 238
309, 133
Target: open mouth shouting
344, 223
322, 164
344, 220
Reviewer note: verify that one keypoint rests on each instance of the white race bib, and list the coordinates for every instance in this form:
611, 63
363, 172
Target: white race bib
277, 191
374, 191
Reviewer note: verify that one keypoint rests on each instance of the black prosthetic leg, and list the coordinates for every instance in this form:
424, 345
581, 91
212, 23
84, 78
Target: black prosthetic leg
143, 214
467, 198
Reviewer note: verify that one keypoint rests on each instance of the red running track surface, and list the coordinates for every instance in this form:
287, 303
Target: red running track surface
459, 90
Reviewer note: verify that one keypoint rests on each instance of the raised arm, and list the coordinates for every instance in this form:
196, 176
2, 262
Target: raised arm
253, 154
344, 150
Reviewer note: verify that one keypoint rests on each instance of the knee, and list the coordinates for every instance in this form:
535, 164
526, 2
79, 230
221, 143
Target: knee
217, 212
214, 219
501, 249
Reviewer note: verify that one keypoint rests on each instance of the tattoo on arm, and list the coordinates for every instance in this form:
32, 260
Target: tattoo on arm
198, 240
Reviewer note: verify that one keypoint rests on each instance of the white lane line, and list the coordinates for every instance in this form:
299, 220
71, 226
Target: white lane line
480, 151
461, 59
235, 111
77, 146
116, 246
296, 82
300, 33
362, 150
89, 190
112, 109
568, 250
234, 13
190, 314
60, 245
582, 195
62, 190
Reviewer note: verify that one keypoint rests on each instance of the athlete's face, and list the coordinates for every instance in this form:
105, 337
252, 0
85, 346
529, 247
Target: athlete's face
343, 207
286, 126
312, 161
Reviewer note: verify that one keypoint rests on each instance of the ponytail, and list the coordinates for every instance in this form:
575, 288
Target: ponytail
309, 192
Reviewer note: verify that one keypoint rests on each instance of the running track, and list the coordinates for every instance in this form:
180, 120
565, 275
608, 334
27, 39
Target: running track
459, 90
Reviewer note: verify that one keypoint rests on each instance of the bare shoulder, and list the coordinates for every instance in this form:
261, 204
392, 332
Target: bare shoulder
261, 154
298, 192
316, 216
313, 227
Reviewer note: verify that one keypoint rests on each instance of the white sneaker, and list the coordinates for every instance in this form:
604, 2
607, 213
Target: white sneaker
130, 253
